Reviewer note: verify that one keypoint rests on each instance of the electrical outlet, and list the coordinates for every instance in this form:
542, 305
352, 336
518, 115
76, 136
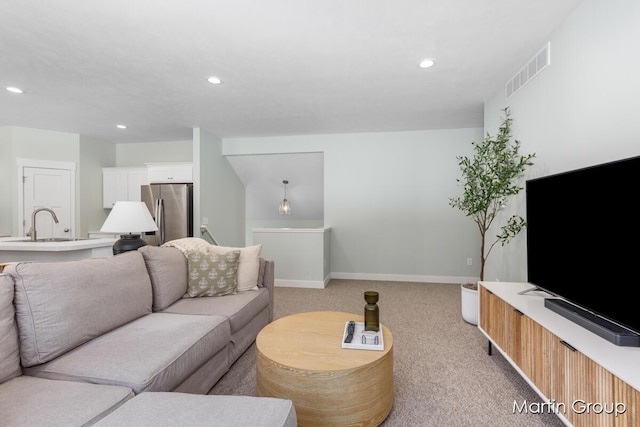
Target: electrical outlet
469, 261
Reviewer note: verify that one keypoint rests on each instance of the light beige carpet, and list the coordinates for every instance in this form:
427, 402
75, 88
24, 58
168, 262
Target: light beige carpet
442, 373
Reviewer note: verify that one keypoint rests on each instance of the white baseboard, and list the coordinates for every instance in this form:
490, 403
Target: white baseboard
313, 284
404, 278
318, 284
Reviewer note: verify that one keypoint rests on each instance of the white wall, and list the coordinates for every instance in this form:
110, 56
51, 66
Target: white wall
386, 199
262, 176
7, 168
219, 195
34, 144
302, 255
94, 155
386, 194
88, 154
582, 110
139, 153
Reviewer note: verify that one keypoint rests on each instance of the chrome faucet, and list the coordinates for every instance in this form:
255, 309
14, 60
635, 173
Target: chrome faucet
32, 231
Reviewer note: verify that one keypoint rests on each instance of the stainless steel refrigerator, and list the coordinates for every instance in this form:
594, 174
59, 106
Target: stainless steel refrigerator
171, 206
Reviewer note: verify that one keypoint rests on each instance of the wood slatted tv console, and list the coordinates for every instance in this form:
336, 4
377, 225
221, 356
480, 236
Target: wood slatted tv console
581, 377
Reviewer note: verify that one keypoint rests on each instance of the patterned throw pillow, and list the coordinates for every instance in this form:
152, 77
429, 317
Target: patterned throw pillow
211, 274
248, 267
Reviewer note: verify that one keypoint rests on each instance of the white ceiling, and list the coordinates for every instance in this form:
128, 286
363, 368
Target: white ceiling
288, 66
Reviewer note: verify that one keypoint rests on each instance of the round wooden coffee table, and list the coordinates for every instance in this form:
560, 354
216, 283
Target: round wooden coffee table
300, 357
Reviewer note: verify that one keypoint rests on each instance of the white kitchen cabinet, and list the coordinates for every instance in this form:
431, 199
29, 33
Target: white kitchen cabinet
170, 172
122, 184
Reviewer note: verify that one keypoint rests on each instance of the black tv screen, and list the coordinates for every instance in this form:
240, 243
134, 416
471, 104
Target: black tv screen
583, 233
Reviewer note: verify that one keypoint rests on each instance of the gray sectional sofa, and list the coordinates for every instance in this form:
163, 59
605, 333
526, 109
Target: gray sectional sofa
113, 341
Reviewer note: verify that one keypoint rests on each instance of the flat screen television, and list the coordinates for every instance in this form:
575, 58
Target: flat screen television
583, 233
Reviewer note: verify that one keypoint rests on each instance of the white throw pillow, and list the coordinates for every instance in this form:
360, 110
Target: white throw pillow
248, 266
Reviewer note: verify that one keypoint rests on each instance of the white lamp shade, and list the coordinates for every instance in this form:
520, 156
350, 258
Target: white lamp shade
129, 217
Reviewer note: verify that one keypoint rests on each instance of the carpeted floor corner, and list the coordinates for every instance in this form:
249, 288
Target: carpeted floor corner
443, 375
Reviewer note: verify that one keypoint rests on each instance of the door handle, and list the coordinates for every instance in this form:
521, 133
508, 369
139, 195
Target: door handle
160, 220
66, 230
569, 346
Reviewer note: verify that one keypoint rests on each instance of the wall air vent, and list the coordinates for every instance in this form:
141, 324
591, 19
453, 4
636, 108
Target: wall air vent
536, 64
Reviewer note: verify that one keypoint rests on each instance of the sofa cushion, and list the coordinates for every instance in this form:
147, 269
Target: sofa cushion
239, 308
156, 352
212, 274
30, 401
172, 409
167, 268
249, 265
9, 350
60, 305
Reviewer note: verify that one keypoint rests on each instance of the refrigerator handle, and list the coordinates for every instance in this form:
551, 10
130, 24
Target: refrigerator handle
160, 220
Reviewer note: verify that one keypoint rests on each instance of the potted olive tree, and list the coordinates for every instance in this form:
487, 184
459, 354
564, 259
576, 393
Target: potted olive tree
488, 179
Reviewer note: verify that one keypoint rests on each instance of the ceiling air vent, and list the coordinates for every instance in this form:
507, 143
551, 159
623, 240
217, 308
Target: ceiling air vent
536, 64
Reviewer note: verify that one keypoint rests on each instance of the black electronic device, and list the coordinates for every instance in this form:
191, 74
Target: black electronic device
582, 231
351, 328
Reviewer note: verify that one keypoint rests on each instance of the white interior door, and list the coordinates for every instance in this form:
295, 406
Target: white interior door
48, 188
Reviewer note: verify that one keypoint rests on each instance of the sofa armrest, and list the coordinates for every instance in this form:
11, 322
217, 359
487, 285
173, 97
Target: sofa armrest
266, 279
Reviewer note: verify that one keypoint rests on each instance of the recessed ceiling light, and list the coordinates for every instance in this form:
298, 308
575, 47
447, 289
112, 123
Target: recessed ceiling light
121, 126
427, 63
14, 89
214, 80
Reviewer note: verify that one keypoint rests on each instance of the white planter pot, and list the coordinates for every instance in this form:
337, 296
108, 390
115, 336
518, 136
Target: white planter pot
469, 305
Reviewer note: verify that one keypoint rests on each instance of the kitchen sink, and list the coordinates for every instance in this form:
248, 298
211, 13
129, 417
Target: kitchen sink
58, 239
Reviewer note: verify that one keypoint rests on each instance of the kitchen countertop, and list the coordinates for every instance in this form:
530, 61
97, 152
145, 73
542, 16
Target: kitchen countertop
19, 244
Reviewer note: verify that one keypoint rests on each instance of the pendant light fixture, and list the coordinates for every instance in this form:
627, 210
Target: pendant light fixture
285, 206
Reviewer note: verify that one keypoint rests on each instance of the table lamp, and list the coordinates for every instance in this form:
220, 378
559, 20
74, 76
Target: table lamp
128, 219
